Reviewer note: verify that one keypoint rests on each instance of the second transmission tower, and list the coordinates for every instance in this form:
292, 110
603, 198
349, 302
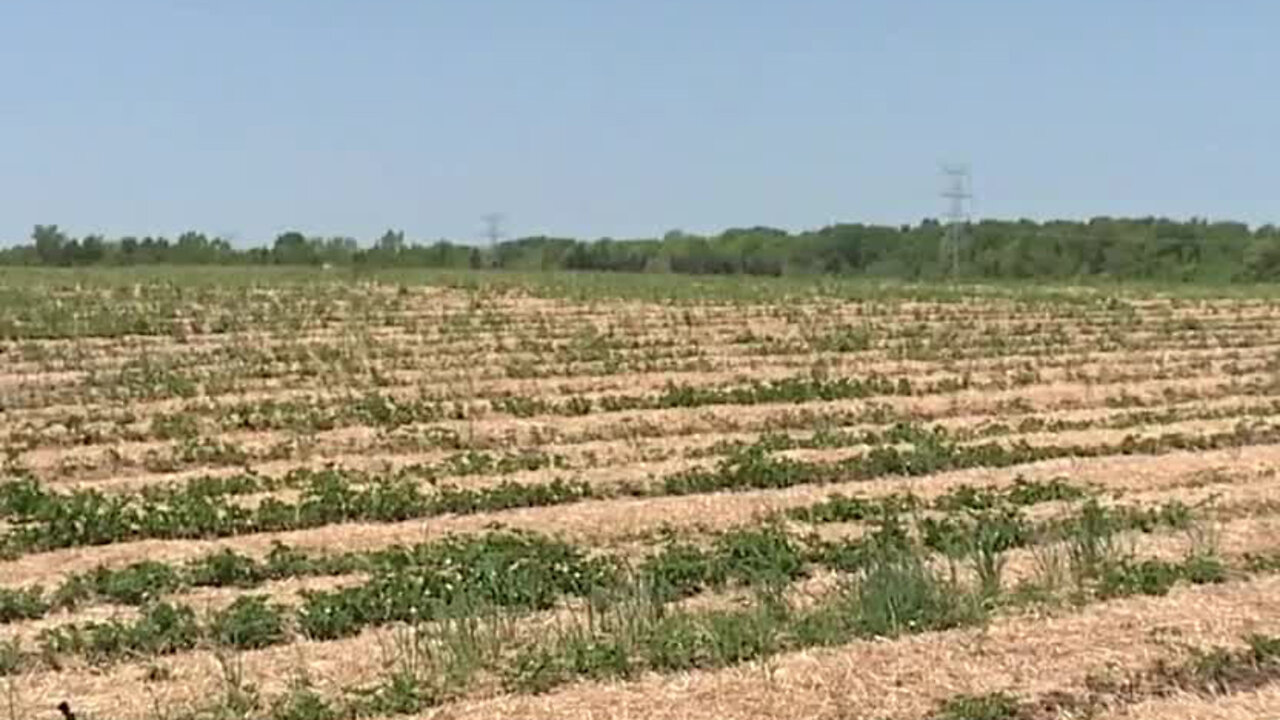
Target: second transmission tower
493, 228
959, 193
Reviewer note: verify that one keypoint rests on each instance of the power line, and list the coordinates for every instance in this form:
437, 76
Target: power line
959, 194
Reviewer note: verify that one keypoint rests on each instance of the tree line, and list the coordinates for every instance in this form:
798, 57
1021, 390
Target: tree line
1141, 248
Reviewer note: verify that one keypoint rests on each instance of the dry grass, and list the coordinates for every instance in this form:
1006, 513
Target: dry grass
1262, 704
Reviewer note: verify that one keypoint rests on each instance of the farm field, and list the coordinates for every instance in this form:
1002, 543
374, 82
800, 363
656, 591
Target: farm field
312, 496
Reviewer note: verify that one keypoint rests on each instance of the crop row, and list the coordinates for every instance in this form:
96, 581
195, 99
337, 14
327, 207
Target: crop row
23, 495
376, 408
370, 358
193, 450
804, 389
903, 431
457, 604
523, 569
1215, 673
87, 517
149, 380
145, 581
156, 314
309, 415
46, 520
932, 452
384, 411
96, 300
164, 308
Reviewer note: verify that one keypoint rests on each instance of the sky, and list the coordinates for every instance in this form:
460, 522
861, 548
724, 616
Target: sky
627, 118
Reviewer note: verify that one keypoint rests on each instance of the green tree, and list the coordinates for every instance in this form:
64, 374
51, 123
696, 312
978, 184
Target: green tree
1262, 259
292, 248
392, 241
49, 242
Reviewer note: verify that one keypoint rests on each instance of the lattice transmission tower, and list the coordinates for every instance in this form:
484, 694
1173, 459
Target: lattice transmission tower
493, 228
959, 194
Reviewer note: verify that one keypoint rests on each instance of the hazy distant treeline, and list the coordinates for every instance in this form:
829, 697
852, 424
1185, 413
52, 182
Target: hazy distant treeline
1144, 248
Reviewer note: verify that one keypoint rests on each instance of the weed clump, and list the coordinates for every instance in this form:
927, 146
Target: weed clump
248, 623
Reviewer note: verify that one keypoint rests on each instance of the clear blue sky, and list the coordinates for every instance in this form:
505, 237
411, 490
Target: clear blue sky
627, 117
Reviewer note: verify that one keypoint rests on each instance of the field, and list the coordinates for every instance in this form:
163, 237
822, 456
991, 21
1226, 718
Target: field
312, 496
